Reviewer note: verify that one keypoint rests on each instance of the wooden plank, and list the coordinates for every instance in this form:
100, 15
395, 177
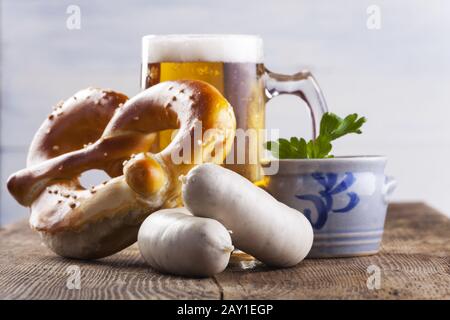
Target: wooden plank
414, 263
28, 270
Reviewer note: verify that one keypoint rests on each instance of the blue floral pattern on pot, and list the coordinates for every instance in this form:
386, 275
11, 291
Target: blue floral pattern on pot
323, 202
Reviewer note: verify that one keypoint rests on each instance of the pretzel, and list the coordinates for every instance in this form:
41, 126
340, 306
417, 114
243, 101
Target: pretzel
100, 129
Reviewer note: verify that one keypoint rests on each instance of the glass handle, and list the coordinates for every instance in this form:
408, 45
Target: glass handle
303, 85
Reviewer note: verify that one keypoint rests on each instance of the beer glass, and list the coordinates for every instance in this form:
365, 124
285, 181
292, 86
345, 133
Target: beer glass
234, 65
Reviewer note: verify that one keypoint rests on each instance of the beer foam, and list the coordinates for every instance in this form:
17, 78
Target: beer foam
210, 48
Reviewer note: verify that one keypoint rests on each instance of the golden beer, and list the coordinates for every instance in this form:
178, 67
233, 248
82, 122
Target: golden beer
234, 65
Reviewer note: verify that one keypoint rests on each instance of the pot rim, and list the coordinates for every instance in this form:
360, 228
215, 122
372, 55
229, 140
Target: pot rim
362, 163
335, 159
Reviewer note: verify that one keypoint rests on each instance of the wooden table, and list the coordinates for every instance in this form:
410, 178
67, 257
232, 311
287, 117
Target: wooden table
414, 263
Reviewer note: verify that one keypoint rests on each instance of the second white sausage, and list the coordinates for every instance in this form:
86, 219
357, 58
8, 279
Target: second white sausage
260, 225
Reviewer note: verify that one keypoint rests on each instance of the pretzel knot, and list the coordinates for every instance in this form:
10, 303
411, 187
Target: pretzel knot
101, 129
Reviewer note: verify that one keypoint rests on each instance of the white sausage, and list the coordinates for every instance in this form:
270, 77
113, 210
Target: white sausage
260, 225
173, 241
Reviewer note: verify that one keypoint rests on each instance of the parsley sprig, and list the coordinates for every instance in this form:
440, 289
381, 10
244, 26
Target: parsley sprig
332, 127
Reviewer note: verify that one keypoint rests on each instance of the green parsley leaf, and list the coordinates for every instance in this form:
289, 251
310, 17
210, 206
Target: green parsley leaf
332, 127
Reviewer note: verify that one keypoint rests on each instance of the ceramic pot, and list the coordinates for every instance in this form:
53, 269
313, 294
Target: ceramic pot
344, 198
